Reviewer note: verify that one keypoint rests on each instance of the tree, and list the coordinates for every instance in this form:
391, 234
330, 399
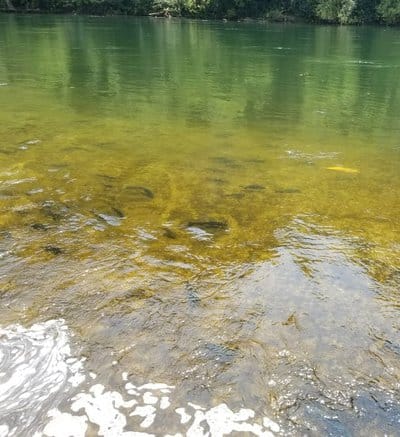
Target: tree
389, 11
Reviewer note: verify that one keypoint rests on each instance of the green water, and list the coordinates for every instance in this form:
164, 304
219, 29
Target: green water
167, 185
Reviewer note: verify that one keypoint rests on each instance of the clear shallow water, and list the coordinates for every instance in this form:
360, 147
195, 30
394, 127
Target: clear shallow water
209, 206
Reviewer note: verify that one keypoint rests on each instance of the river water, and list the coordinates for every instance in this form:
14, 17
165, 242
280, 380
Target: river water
199, 228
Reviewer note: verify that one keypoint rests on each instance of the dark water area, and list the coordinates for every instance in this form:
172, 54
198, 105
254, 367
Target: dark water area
199, 228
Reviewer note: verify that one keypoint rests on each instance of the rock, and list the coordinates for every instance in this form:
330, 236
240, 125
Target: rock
219, 352
54, 210
199, 234
109, 219
192, 294
292, 321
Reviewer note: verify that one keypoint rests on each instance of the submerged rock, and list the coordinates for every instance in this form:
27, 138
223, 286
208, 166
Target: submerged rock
292, 321
219, 352
109, 219
192, 294
199, 234
56, 211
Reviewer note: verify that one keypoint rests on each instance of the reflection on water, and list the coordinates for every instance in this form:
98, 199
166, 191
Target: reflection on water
213, 206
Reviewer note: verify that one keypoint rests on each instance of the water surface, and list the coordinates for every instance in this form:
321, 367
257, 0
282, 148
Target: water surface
199, 228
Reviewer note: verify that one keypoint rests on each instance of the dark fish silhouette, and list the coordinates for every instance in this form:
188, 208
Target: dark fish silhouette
140, 191
211, 225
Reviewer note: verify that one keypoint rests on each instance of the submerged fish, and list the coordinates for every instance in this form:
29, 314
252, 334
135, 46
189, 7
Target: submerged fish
54, 250
209, 225
343, 169
287, 191
254, 187
139, 192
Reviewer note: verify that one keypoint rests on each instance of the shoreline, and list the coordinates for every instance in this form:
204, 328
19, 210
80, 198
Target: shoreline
290, 19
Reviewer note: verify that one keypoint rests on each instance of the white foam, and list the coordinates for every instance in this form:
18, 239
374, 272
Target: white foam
102, 408
165, 403
273, 426
149, 398
36, 369
223, 421
146, 411
184, 416
65, 425
151, 386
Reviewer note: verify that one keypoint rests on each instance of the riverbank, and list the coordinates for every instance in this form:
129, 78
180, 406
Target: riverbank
383, 12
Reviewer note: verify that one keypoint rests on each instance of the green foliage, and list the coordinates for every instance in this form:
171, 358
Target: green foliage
336, 11
330, 11
389, 11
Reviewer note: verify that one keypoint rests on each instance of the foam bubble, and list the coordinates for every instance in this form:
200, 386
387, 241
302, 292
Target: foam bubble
65, 425
34, 373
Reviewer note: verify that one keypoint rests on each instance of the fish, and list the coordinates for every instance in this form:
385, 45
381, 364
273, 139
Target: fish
254, 187
211, 225
287, 191
235, 195
118, 212
343, 169
39, 227
54, 250
169, 233
139, 192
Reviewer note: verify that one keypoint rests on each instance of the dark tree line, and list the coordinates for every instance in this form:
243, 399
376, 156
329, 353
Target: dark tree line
328, 11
